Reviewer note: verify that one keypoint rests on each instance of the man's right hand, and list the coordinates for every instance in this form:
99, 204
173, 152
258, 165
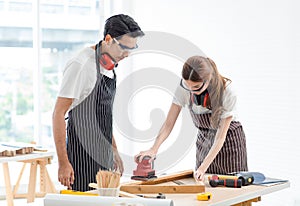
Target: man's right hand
66, 174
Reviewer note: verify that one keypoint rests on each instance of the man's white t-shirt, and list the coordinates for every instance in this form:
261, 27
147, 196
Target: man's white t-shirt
182, 98
80, 75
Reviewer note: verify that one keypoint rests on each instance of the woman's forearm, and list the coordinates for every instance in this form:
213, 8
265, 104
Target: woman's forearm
167, 127
218, 143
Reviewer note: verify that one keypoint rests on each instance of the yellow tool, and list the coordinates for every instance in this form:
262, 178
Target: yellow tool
223, 177
204, 196
245, 177
73, 192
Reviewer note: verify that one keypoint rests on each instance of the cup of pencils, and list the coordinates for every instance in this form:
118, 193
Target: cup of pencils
108, 183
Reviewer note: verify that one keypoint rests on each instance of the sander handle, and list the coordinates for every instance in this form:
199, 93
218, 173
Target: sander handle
146, 157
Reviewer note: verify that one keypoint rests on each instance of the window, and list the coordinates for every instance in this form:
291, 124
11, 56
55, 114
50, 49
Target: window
63, 33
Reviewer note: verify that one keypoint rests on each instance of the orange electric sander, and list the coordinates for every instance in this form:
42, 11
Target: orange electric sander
144, 170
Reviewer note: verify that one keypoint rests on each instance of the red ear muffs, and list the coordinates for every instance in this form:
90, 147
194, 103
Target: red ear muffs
201, 99
106, 62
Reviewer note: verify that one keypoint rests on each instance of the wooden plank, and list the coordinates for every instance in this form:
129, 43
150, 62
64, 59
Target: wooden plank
7, 153
32, 182
35, 155
126, 194
9, 193
145, 189
162, 179
24, 150
19, 179
25, 195
17, 148
257, 199
43, 180
9, 150
50, 187
168, 178
151, 186
248, 202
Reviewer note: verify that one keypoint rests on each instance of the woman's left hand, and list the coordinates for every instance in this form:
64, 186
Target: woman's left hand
118, 163
199, 174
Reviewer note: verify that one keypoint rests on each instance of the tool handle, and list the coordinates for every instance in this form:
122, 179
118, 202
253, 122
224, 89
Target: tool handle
246, 179
236, 183
73, 192
221, 177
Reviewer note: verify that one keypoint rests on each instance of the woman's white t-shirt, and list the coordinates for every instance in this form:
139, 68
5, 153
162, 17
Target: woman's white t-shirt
182, 98
80, 75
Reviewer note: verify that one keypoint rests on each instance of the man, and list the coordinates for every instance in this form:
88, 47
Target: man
87, 93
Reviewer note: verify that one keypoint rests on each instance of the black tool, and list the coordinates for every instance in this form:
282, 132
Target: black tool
247, 179
159, 196
226, 182
215, 181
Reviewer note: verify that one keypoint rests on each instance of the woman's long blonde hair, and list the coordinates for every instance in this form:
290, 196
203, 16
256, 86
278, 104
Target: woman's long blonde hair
200, 69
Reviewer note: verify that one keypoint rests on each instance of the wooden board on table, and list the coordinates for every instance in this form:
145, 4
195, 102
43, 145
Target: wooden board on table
165, 184
7, 152
146, 189
13, 149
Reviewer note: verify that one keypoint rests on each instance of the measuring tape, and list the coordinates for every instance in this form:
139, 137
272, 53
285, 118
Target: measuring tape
204, 196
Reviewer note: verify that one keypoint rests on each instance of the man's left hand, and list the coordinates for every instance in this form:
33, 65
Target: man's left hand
118, 163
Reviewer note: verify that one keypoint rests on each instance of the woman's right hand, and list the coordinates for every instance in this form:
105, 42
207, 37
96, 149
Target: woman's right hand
151, 153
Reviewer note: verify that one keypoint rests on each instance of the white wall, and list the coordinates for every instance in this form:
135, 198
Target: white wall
256, 44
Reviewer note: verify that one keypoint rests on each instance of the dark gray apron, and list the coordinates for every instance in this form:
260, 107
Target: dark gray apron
232, 156
89, 132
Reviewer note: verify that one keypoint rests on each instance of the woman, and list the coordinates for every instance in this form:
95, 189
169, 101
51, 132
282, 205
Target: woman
221, 142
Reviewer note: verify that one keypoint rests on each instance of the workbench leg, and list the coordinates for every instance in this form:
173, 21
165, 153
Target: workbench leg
9, 193
46, 184
43, 180
15, 191
248, 202
50, 185
32, 182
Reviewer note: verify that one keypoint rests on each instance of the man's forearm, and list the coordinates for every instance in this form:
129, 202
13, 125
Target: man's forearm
59, 133
114, 144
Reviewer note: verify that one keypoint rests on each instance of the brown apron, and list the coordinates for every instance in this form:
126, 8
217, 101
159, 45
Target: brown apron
233, 155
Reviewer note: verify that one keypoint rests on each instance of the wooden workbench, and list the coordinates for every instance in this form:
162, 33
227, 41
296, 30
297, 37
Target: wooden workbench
229, 196
35, 159
221, 196
243, 196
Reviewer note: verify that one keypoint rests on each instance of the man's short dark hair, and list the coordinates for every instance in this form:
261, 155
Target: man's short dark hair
118, 25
